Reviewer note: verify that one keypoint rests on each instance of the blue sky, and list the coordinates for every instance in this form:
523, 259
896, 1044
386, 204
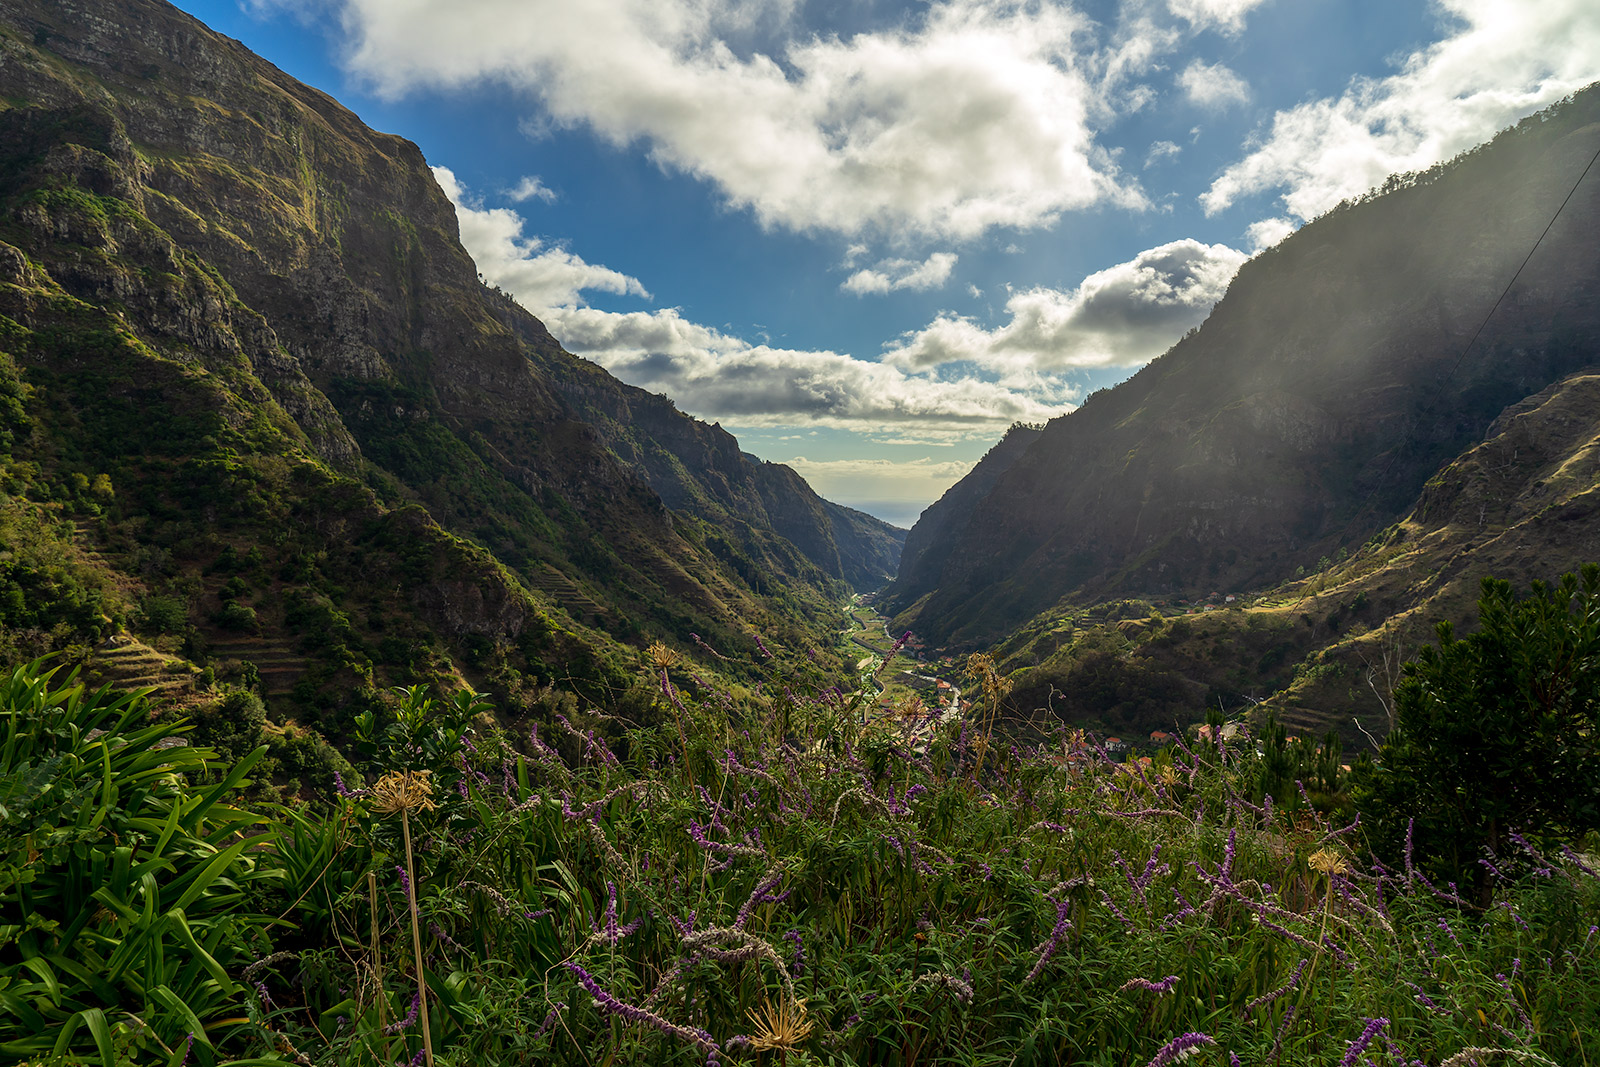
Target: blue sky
866, 236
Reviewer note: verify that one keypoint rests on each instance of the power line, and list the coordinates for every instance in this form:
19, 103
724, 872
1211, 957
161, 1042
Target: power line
1467, 348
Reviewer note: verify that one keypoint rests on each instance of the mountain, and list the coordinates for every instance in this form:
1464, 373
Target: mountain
257, 391
1325, 649
1340, 372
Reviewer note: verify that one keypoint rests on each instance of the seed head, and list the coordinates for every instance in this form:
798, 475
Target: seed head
400, 791
1327, 861
783, 1027
661, 657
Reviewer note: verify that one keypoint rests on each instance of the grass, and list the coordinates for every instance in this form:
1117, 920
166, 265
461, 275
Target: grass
759, 882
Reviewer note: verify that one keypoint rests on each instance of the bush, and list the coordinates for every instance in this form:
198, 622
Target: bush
236, 616
1494, 734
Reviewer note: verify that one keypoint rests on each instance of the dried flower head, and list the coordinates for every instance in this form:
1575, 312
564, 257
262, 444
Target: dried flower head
400, 791
661, 657
783, 1027
1327, 861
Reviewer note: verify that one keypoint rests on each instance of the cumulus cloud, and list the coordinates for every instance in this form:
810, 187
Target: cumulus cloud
1268, 232
972, 115
1503, 60
536, 275
531, 188
891, 274
713, 374
1224, 15
1121, 316
1213, 86
716, 376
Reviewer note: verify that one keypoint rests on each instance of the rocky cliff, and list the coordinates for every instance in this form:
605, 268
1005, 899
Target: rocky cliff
246, 319
1342, 369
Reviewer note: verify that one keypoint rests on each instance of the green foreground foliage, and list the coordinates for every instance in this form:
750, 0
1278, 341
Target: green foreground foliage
768, 882
1496, 732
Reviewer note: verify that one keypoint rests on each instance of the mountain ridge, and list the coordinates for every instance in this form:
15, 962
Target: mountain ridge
249, 319
1306, 412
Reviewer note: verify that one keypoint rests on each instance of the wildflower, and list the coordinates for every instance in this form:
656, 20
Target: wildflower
1163, 986
409, 1020
960, 988
784, 1027
1048, 946
634, 1014
403, 791
1327, 861
661, 657
1179, 1048
1283, 990
1359, 1045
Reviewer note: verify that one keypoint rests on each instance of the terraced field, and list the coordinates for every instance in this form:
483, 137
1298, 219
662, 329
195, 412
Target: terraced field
278, 663
127, 663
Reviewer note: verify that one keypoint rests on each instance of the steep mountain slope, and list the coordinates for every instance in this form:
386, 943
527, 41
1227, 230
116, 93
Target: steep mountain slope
931, 540
1325, 650
700, 470
247, 351
1330, 383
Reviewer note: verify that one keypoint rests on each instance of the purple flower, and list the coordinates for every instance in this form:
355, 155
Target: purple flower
1359, 1045
1163, 986
1179, 1045
635, 1014
1047, 947
799, 957
550, 1019
410, 1018
1283, 990
610, 932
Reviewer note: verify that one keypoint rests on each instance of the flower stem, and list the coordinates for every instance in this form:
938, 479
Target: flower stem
416, 938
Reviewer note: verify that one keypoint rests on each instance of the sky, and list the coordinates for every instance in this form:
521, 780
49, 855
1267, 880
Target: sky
867, 236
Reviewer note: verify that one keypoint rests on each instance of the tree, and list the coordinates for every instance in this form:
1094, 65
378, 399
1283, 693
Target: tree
1494, 733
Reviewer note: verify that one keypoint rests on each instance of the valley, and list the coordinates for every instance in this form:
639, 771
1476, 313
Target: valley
382, 680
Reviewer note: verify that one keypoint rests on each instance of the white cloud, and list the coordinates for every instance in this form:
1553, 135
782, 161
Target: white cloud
714, 375
536, 275
1268, 232
1505, 58
1161, 151
893, 489
725, 378
970, 116
1226, 16
1121, 316
530, 188
1213, 86
891, 274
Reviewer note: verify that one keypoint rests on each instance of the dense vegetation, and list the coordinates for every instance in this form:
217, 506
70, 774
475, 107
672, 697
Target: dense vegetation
763, 875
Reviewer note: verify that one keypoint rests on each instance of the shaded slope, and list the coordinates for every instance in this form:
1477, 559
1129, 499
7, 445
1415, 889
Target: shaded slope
1310, 408
700, 470
1522, 504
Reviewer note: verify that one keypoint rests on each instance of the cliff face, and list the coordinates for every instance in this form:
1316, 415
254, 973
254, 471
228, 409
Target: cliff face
1325, 389
252, 315
701, 470
931, 540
